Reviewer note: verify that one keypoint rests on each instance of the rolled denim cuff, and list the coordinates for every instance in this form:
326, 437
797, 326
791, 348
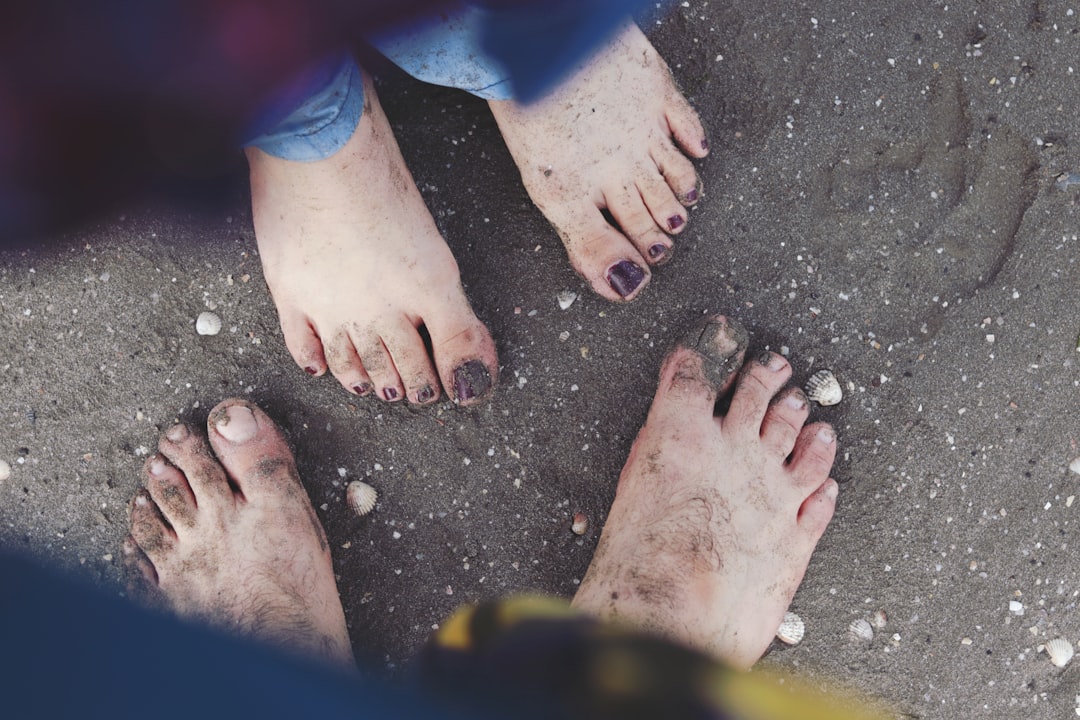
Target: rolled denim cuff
330, 106
444, 49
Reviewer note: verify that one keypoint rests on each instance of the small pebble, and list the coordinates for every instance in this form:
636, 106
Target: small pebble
5, 471
208, 324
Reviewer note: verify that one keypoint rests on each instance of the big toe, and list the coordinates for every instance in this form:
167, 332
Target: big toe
702, 367
251, 448
465, 355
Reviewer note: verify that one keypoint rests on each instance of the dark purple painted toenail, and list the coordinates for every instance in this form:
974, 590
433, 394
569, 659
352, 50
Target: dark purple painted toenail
311, 370
704, 144
625, 277
471, 380
692, 196
657, 251
425, 394
390, 393
675, 222
361, 389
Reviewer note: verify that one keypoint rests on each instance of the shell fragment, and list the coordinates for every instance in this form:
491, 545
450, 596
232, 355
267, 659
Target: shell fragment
1060, 651
5, 471
861, 631
580, 524
791, 630
566, 298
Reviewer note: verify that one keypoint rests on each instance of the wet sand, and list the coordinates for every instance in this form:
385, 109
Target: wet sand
880, 201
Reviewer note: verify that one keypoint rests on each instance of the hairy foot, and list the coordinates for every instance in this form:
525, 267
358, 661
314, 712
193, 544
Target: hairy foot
715, 518
605, 141
356, 265
234, 541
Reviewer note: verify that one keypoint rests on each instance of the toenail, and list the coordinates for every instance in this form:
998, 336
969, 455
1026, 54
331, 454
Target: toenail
675, 222
625, 277
832, 490
471, 380
692, 196
795, 401
157, 466
311, 370
704, 144
772, 361
177, 433
237, 424
141, 501
390, 393
826, 435
361, 389
425, 394
657, 251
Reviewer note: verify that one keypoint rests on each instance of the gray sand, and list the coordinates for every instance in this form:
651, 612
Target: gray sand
880, 201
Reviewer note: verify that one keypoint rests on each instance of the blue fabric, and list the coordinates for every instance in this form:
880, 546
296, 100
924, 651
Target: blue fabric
71, 652
327, 101
496, 50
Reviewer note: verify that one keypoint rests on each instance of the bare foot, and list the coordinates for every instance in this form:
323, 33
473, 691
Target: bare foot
603, 141
234, 541
715, 518
355, 264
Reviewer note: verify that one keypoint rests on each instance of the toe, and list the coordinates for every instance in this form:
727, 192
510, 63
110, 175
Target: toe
303, 343
142, 577
411, 362
812, 458
148, 528
252, 450
686, 127
385, 381
631, 213
758, 383
170, 491
345, 365
679, 174
189, 454
817, 510
464, 353
701, 367
602, 255
666, 210
783, 421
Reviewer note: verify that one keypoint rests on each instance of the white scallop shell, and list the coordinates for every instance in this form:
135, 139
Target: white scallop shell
5, 471
207, 324
361, 497
791, 630
1060, 651
824, 388
861, 631
566, 298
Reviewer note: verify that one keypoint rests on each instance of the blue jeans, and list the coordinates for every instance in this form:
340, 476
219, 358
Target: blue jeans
510, 50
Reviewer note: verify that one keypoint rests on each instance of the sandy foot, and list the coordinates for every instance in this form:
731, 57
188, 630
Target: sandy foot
605, 140
356, 264
715, 518
234, 541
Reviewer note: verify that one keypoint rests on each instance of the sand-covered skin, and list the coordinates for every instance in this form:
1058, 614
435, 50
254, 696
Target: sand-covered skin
955, 435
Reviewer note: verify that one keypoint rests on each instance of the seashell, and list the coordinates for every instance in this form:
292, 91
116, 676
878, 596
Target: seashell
361, 497
824, 388
1060, 651
566, 298
1075, 466
208, 324
791, 630
861, 631
880, 619
5, 471
580, 524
